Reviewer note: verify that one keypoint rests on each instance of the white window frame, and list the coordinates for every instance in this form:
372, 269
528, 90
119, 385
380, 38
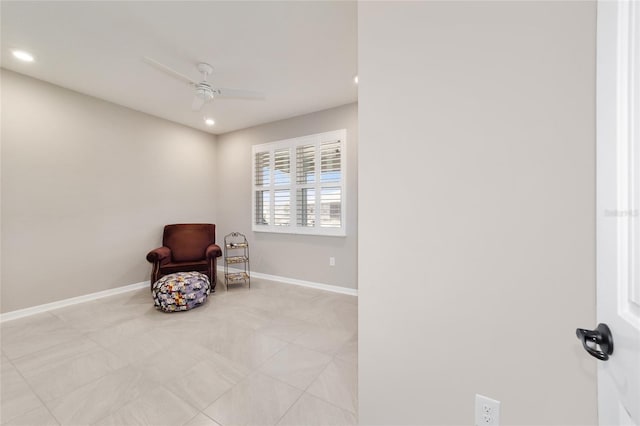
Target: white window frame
316, 140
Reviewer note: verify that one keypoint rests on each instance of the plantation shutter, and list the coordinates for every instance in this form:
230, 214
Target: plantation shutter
299, 185
282, 191
305, 179
330, 191
262, 182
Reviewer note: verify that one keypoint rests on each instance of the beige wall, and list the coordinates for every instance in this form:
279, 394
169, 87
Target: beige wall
477, 165
293, 256
86, 189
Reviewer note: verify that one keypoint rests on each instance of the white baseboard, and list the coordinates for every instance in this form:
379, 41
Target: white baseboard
20, 313
294, 281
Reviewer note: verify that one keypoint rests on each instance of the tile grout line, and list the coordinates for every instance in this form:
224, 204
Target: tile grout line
329, 402
164, 387
289, 384
274, 354
196, 415
304, 391
246, 378
159, 385
209, 417
180, 398
255, 370
36, 395
221, 395
44, 404
290, 407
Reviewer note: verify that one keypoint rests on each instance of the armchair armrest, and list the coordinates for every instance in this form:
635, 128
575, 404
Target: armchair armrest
160, 254
213, 251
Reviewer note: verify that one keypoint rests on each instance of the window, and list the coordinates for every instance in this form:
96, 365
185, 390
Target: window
299, 185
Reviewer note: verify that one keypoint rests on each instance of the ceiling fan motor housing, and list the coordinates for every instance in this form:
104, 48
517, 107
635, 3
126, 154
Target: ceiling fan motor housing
204, 91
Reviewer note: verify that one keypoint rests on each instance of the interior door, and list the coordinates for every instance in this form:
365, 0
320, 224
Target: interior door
618, 195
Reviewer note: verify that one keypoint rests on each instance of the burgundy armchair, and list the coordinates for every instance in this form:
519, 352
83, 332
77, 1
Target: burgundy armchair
186, 247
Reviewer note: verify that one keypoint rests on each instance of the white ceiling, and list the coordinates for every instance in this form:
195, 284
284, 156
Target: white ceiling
302, 55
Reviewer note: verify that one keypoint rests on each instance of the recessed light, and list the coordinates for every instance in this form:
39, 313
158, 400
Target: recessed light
355, 79
209, 121
22, 55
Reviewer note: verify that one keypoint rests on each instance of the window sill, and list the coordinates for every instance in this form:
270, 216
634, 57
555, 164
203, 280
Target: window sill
327, 232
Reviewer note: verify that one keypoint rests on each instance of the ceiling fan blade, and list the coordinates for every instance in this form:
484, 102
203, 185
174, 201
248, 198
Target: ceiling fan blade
168, 70
240, 94
197, 104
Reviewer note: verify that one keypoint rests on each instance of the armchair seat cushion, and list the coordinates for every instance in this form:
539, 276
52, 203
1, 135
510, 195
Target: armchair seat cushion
181, 291
171, 267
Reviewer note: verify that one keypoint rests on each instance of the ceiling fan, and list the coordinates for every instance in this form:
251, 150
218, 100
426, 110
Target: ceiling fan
204, 91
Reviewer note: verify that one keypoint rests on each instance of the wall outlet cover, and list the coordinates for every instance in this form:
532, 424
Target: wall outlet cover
487, 411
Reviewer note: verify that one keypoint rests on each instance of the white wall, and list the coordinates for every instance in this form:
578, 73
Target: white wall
477, 166
87, 187
301, 257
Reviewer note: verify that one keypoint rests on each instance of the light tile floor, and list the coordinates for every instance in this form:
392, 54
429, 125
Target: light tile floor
276, 354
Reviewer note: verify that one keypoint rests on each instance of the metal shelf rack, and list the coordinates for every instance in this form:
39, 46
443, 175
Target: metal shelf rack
236, 252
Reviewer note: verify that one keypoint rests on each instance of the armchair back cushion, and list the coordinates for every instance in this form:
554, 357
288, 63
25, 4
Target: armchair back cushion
189, 242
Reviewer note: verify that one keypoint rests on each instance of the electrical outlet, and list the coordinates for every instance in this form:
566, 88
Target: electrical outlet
332, 261
487, 411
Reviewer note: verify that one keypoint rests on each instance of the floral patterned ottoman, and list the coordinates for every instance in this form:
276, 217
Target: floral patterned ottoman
181, 291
